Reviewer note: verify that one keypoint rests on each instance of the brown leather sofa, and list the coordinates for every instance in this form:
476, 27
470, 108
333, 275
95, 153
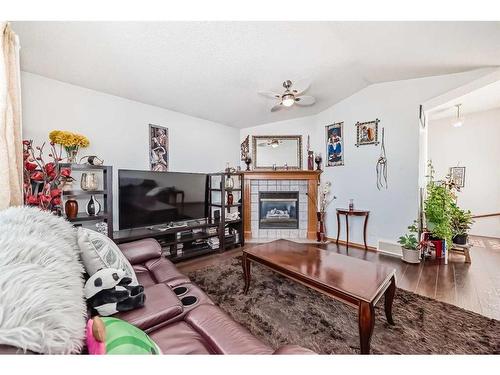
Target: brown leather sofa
178, 328
200, 328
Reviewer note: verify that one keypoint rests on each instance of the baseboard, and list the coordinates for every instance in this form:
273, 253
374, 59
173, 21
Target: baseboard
352, 244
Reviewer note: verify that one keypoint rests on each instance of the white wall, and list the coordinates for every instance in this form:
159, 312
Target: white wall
396, 104
474, 146
118, 128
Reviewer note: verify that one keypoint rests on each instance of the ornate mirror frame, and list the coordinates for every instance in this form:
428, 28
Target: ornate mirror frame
260, 138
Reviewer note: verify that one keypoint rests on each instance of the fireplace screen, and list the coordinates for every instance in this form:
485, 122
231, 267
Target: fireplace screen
278, 210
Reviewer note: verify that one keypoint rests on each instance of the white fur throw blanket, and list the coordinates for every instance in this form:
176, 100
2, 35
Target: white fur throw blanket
42, 306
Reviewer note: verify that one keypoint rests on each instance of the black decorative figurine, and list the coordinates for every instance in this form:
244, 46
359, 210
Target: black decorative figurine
318, 159
248, 161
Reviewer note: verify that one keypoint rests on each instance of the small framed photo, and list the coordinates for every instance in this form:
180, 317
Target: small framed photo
158, 148
334, 144
458, 176
367, 133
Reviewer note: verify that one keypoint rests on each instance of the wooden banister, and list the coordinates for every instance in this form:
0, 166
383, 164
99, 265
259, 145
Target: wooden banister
487, 215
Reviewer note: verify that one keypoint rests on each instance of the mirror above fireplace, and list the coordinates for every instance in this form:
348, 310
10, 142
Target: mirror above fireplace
281, 151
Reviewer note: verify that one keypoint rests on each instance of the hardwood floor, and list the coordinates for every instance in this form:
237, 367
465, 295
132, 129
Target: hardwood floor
474, 287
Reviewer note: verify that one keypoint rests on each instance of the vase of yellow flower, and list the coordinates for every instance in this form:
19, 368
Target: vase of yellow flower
70, 141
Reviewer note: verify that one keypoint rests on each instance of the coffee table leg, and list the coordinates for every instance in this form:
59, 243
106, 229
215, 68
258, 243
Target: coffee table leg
366, 324
246, 272
389, 297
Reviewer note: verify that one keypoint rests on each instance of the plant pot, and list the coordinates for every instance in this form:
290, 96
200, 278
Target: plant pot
438, 246
460, 239
411, 255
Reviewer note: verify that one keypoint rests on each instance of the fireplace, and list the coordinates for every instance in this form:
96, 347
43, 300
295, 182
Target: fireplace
279, 210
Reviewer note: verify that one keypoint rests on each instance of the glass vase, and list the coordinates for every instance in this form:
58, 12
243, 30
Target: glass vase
72, 154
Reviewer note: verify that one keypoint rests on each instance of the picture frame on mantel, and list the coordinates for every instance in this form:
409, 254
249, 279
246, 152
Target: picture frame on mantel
158, 148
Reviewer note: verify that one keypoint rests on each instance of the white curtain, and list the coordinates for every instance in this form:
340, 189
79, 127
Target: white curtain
11, 157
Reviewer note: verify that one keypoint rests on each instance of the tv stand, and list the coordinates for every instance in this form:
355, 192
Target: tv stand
179, 242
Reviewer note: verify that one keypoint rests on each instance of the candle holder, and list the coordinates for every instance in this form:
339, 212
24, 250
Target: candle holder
318, 159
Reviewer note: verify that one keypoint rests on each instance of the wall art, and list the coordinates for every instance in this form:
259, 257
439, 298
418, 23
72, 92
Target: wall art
458, 176
158, 148
334, 144
367, 133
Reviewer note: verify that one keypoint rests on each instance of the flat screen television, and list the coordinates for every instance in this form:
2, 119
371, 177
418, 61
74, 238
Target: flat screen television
152, 198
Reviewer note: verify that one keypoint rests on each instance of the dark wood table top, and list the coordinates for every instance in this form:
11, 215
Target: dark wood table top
352, 276
352, 212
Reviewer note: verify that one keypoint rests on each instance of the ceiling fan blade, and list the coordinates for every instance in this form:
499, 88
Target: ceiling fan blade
305, 100
277, 107
300, 87
270, 94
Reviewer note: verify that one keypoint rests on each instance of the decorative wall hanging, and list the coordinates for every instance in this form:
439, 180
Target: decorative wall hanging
457, 175
367, 133
158, 148
382, 166
334, 144
245, 148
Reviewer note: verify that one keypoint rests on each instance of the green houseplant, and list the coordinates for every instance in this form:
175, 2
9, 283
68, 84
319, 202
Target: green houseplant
409, 245
438, 208
461, 221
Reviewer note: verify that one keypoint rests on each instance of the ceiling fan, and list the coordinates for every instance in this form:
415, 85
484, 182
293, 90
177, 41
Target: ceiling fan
291, 95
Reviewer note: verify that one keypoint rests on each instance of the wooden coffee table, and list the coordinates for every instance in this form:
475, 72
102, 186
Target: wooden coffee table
356, 282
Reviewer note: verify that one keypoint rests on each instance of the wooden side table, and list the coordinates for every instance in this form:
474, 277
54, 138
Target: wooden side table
346, 212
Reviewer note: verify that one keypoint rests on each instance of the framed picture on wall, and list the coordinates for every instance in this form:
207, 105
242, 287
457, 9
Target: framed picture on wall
367, 133
334, 144
158, 148
458, 176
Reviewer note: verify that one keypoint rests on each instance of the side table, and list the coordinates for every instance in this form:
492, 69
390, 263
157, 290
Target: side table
346, 212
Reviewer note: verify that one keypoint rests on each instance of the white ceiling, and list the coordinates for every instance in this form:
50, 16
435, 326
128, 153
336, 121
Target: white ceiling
213, 70
483, 99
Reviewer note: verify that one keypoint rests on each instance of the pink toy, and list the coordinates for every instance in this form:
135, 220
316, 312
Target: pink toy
96, 336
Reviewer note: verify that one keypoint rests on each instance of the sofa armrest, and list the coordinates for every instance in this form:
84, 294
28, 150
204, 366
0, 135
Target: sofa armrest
293, 349
141, 251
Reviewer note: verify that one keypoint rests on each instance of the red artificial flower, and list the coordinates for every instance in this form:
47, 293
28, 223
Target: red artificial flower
37, 176
30, 166
49, 168
26, 143
52, 175
66, 172
56, 201
44, 198
32, 199
55, 193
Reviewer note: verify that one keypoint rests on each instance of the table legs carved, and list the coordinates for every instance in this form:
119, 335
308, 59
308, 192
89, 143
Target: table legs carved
346, 214
364, 230
338, 228
366, 324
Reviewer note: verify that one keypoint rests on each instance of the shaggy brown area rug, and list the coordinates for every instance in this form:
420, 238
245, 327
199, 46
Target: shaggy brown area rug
280, 311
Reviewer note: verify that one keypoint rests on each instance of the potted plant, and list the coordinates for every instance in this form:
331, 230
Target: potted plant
461, 221
438, 211
409, 245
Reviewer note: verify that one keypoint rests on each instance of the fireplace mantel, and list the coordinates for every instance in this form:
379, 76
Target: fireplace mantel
312, 178
282, 175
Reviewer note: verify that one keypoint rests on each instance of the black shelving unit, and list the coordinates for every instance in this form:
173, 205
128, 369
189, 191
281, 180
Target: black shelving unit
104, 195
218, 188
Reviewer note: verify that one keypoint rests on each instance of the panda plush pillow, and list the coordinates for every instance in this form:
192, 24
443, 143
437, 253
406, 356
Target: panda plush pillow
99, 251
109, 291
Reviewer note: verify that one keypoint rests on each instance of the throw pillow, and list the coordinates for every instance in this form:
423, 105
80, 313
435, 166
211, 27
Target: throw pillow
116, 336
99, 251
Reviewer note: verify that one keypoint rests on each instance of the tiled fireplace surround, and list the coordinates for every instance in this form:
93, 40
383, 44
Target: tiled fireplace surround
258, 186
301, 181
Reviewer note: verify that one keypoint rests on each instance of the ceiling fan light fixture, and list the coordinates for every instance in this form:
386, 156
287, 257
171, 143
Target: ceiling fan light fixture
287, 100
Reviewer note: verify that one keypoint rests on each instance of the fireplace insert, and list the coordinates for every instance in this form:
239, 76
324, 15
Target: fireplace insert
279, 210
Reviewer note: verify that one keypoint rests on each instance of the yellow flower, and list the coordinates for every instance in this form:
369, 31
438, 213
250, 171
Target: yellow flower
68, 139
